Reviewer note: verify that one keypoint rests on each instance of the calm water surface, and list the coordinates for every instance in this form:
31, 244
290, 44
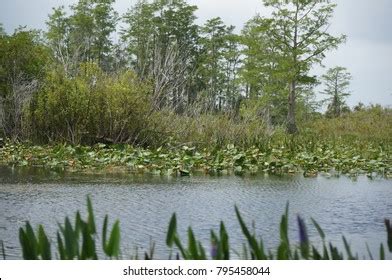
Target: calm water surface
144, 206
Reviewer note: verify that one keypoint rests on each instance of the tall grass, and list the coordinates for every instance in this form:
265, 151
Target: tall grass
370, 125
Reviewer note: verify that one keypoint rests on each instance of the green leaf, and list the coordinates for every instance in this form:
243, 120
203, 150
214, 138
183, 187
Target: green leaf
78, 224
283, 251
91, 222
192, 245
27, 250
258, 252
284, 227
71, 241
61, 249
348, 249
319, 230
113, 246
29, 243
382, 252
172, 232
88, 244
370, 253
104, 234
184, 253
44, 244
202, 255
315, 254
215, 247
389, 233
224, 242
335, 255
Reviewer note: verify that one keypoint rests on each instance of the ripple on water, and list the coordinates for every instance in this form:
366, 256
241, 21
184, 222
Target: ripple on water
144, 206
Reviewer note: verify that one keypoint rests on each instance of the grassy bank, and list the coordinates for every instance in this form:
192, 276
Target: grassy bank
356, 143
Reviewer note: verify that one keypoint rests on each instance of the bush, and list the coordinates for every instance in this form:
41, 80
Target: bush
89, 108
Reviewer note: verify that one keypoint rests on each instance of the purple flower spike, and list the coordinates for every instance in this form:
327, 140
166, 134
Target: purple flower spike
303, 234
214, 250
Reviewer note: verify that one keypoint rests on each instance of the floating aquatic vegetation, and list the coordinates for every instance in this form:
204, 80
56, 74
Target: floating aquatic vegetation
310, 159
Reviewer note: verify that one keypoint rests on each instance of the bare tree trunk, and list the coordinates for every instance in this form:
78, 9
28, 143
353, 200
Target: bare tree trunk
291, 122
170, 76
12, 105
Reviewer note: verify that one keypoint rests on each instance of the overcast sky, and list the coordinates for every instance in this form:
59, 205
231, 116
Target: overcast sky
367, 23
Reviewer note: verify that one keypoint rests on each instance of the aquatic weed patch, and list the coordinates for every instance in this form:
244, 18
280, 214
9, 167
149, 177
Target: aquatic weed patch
284, 158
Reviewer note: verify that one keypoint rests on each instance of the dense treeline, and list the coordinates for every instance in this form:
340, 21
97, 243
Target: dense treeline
167, 78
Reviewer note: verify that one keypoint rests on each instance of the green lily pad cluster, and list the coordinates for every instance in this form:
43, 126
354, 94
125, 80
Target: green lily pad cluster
307, 158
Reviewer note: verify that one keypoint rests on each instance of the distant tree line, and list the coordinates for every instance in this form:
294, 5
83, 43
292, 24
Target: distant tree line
97, 75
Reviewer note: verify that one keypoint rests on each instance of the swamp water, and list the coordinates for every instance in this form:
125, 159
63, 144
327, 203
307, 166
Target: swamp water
144, 205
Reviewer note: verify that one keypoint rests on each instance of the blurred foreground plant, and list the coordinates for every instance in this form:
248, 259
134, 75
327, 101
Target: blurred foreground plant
255, 250
73, 242
79, 242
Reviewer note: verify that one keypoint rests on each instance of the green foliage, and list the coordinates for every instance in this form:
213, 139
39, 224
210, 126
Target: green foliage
161, 39
284, 251
220, 249
257, 248
34, 248
23, 60
70, 247
111, 247
337, 81
73, 242
367, 125
389, 231
91, 107
306, 154
296, 39
83, 36
183, 85
218, 65
195, 250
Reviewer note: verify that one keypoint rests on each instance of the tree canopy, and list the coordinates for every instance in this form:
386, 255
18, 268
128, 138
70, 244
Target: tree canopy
260, 74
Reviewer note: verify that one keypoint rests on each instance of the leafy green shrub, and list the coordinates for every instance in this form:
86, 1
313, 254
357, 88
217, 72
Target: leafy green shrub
23, 61
91, 107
